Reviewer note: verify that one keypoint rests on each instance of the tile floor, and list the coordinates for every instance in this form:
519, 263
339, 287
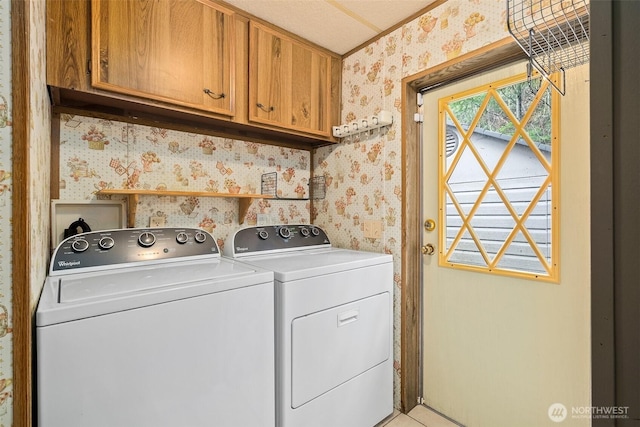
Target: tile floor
419, 416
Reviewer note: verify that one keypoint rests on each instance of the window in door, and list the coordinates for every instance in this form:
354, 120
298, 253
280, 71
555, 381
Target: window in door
497, 179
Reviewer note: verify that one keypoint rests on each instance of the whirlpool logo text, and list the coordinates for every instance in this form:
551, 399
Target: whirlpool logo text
68, 263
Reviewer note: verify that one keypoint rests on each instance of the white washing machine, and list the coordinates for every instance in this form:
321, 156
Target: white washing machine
334, 357
151, 327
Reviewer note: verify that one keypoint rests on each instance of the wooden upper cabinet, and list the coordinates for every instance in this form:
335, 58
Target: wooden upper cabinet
176, 51
289, 82
170, 61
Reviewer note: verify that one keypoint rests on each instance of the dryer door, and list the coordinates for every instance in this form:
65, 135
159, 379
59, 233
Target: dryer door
331, 347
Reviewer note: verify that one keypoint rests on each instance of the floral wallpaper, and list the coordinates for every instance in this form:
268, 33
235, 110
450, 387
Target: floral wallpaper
6, 356
100, 154
363, 173
39, 151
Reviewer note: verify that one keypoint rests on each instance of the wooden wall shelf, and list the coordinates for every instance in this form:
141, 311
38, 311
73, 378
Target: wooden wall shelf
244, 200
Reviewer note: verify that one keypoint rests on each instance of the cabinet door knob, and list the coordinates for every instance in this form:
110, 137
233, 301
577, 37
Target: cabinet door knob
263, 108
213, 94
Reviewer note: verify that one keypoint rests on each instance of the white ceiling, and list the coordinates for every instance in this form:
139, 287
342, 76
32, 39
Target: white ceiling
337, 25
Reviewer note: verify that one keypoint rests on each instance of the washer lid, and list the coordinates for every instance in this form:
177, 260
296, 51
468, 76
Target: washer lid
303, 264
74, 289
76, 296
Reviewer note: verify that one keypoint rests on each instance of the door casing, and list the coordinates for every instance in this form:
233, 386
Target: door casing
491, 56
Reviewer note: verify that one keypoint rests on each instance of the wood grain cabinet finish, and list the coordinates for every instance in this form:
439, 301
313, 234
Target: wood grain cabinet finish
175, 51
289, 82
68, 44
171, 62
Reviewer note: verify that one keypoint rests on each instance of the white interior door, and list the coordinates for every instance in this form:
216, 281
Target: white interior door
499, 350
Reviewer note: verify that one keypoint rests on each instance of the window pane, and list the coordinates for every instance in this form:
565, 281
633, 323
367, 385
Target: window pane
538, 127
467, 252
504, 146
518, 257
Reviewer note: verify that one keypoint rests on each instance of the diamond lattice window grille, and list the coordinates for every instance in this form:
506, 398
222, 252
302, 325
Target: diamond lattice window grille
496, 187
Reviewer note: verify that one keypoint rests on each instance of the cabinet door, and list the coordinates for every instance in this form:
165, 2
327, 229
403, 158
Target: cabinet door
289, 82
176, 51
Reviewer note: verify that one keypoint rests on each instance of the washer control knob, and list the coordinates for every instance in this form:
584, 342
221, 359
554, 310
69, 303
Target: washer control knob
284, 232
200, 237
80, 245
106, 243
262, 234
146, 239
304, 231
315, 231
182, 238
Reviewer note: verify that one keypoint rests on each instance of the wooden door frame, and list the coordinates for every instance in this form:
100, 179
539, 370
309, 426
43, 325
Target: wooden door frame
491, 56
22, 316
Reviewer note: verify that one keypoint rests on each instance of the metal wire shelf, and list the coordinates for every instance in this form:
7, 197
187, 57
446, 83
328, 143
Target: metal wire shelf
269, 187
553, 33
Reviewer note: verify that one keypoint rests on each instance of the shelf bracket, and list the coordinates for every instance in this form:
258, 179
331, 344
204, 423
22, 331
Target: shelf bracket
243, 207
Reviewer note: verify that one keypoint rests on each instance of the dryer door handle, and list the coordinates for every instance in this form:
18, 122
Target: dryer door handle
347, 317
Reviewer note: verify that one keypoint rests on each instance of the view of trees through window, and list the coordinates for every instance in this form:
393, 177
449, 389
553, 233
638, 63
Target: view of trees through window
518, 98
496, 187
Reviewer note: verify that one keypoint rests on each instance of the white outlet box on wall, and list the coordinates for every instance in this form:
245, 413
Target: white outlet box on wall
264, 219
372, 229
98, 214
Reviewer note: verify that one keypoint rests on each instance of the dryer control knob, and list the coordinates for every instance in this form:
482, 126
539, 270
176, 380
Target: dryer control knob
284, 232
315, 231
80, 245
182, 238
304, 231
263, 234
200, 237
146, 239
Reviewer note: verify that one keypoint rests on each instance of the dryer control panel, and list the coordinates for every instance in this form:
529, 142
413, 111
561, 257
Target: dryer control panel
113, 248
275, 238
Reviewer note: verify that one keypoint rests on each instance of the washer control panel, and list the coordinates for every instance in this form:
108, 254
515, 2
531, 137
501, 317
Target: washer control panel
116, 247
275, 238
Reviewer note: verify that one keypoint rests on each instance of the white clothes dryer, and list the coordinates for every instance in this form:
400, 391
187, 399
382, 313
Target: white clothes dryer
151, 327
334, 357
